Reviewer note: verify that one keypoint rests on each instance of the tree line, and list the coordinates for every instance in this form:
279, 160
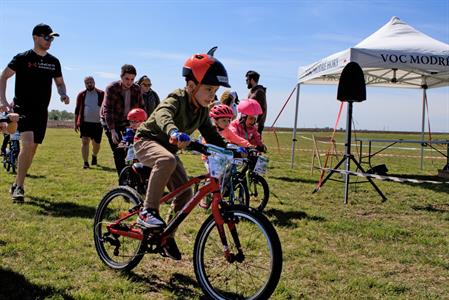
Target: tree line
64, 115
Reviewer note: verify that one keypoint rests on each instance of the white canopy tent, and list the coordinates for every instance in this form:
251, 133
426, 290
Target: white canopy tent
396, 55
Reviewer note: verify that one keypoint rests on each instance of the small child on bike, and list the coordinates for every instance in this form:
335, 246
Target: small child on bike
136, 116
245, 126
168, 129
8, 123
8, 126
221, 116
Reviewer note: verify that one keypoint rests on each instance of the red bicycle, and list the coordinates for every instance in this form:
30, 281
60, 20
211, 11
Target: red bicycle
237, 252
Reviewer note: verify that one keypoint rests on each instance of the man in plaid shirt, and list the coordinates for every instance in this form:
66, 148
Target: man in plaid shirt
121, 96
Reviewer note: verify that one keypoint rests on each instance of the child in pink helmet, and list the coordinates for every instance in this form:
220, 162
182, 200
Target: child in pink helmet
221, 116
245, 126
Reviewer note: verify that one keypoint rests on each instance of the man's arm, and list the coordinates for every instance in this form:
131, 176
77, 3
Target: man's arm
6, 74
59, 81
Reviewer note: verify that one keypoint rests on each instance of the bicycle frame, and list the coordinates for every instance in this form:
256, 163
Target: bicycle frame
212, 185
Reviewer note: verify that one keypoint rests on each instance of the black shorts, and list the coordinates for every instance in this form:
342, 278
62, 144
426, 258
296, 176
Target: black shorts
91, 130
33, 121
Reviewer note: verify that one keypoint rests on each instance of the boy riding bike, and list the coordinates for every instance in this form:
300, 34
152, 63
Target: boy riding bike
136, 116
167, 130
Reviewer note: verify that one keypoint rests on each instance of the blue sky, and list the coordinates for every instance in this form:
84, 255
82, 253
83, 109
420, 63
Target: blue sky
271, 37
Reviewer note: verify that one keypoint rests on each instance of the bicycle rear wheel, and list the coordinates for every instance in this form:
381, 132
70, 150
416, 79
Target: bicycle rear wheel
255, 273
116, 251
259, 192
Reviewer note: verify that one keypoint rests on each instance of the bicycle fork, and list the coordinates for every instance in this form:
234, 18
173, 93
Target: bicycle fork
230, 221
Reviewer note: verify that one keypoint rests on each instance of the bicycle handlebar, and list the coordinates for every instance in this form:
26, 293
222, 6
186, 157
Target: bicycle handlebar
203, 149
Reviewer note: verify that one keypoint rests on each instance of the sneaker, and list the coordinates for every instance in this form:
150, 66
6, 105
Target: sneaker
94, 160
86, 165
150, 219
13, 187
18, 194
171, 249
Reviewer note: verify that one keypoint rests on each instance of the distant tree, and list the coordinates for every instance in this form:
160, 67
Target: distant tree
61, 115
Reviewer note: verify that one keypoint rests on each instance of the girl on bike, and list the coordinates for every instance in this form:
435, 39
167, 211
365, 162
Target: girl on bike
245, 126
221, 116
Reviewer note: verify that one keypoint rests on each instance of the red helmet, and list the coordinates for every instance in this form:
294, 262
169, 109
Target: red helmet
137, 114
250, 107
221, 111
205, 69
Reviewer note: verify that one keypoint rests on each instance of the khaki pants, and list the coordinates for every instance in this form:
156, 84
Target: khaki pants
167, 171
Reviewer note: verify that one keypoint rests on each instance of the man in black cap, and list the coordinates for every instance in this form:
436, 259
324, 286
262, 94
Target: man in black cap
258, 93
34, 70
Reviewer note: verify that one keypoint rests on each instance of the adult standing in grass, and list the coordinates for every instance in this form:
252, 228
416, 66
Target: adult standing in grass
258, 93
34, 70
87, 120
121, 96
150, 97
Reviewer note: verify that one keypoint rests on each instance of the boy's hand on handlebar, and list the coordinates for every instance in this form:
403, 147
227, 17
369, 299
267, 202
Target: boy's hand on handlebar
181, 139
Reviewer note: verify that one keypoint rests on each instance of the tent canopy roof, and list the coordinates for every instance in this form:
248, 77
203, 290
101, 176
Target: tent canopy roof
396, 55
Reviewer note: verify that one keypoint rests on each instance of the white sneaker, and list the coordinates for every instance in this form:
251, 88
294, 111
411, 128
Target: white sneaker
18, 194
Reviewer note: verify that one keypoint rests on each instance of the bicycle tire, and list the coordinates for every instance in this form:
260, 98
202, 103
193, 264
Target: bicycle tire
129, 251
259, 192
260, 243
13, 162
129, 178
238, 194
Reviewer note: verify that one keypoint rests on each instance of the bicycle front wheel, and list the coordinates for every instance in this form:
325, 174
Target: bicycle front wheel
238, 193
259, 192
116, 251
254, 273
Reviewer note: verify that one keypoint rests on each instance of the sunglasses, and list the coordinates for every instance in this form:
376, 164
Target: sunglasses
146, 84
47, 38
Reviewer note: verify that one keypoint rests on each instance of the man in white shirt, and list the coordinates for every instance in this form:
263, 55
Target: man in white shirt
87, 120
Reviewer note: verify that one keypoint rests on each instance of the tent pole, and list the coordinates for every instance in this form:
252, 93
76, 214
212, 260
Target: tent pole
294, 128
423, 124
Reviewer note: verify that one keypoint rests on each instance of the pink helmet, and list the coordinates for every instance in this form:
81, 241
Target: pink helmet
221, 111
137, 114
249, 107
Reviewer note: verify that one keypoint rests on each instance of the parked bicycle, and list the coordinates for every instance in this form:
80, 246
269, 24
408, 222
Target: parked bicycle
237, 253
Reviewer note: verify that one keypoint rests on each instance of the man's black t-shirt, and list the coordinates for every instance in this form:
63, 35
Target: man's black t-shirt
34, 74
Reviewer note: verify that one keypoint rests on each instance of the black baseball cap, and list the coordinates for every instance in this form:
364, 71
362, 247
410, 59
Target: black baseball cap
44, 29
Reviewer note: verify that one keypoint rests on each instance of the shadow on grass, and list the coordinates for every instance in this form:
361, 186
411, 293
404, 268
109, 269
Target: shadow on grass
15, 286
438, 208
297, 179
36, 176
285, 218
104, 168
178, 284
61, 209
437, 187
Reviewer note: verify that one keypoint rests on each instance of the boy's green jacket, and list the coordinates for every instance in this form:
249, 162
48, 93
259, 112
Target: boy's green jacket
177, 113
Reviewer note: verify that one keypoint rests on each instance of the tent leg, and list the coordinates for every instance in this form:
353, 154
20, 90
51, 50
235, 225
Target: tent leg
294, 128
423, 124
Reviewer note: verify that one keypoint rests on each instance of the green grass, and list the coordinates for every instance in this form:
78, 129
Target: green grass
367, 249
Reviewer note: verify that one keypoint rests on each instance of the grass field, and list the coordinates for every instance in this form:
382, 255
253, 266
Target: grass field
367, 249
